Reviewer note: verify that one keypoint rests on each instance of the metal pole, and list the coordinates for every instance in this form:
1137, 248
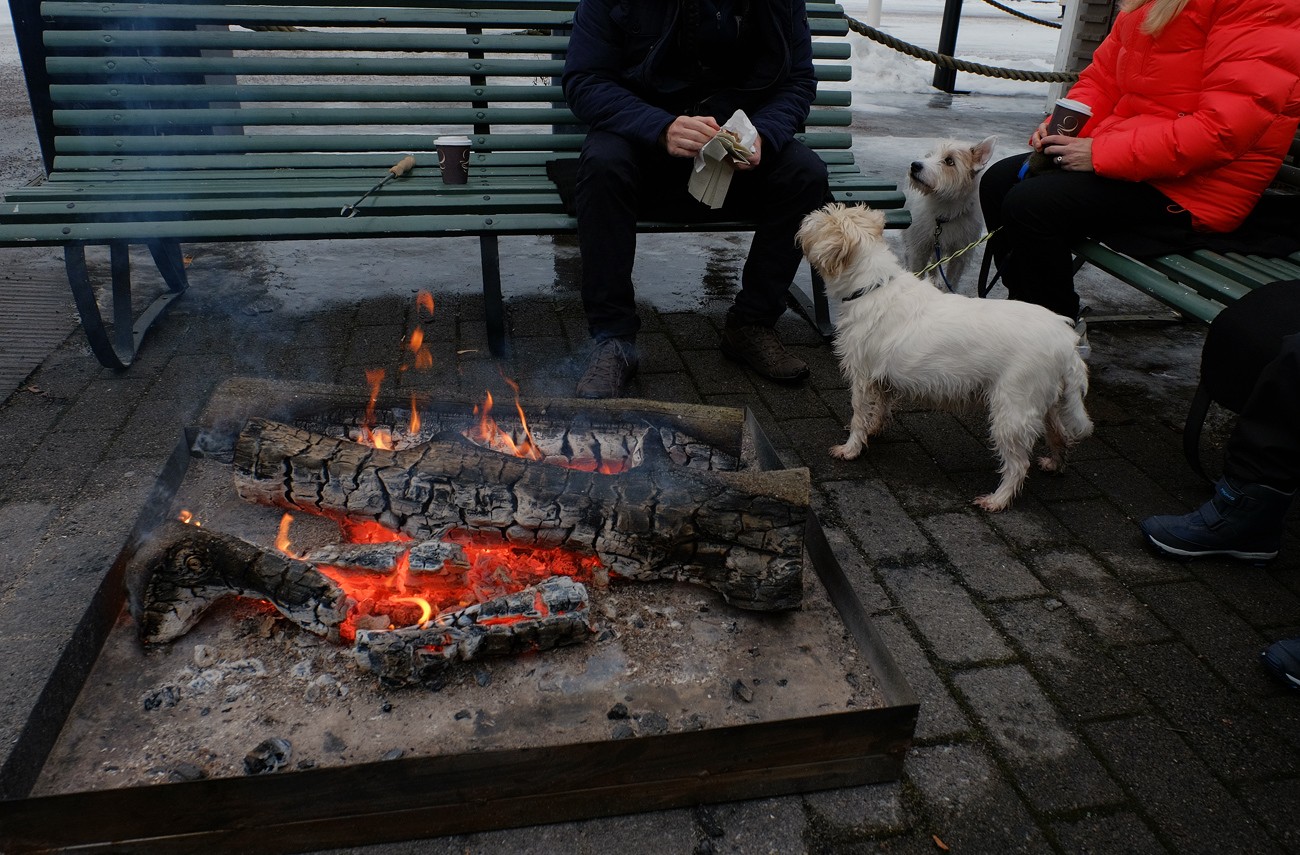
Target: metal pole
946, 78
873, 13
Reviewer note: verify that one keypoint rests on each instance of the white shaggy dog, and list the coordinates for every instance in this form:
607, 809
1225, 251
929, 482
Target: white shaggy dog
899, 338
943, 197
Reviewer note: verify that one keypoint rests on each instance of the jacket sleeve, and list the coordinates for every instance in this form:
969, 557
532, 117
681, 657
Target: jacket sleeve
1097, 85
1245, 86
592, 79
783, 114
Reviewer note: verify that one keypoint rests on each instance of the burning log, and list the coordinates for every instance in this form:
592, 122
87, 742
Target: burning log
550, 614
430, 556
183, 570
739, 533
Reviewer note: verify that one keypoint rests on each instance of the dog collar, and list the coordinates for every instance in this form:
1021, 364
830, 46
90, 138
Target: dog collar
855, 295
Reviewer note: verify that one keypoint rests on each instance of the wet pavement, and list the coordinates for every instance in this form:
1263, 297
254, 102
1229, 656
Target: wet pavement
1077, 694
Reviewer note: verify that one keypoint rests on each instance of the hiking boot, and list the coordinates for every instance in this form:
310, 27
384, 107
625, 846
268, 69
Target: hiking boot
1282, 660
1241, 522
760, 349
613, 362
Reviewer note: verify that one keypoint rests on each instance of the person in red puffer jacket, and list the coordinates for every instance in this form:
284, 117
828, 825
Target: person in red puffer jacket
1194, 105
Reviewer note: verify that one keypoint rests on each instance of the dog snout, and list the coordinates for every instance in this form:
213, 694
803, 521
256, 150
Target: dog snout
917, 166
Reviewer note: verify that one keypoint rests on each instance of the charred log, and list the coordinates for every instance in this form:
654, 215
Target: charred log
183, 570
550, 614
430, 556
739, 533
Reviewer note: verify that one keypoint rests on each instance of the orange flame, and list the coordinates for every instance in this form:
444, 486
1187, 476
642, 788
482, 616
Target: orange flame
188, 518
282, 536
425, 301
416, 341
414, 426
375, 378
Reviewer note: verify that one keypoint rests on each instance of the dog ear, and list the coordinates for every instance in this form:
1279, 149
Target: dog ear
981, 153
825, 241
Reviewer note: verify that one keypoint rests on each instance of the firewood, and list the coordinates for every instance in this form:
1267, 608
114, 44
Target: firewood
550, 614
182, 570
739, 533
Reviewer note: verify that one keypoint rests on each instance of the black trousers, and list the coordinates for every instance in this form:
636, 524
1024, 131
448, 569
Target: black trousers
1264, 447
620, 181
1040, 217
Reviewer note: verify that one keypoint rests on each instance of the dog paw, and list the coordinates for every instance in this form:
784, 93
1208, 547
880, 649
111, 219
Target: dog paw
1051, 464
847, 451
991, 503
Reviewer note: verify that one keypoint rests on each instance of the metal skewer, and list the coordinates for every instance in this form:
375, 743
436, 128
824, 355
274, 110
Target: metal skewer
398, 169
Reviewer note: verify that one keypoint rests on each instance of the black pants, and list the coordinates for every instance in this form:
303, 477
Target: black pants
1040, 217
1265, 444
620, 182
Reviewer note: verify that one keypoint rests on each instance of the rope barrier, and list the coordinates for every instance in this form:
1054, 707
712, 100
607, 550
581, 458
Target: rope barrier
958, 64
1022, 16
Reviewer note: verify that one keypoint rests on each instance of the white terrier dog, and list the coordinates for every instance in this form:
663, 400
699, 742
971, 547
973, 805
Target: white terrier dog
943, 196
899, 338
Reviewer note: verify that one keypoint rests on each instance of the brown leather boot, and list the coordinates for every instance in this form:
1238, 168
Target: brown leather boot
760, 349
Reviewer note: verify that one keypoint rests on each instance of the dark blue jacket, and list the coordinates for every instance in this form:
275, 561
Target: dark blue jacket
627, 74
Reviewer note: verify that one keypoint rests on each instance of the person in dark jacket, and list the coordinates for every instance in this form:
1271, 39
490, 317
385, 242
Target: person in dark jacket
655, 80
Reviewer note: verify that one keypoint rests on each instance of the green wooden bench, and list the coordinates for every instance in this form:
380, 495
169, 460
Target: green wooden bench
163, 123
1199, 284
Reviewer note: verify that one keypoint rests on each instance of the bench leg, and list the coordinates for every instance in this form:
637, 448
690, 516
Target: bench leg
1192, 429
494, 309
815, 310
118, 350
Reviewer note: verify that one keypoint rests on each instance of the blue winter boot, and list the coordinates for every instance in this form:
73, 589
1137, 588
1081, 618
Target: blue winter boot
1282, 659
1242, 522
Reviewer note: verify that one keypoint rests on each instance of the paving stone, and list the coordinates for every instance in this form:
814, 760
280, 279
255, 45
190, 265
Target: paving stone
870, 513
953, 627
919, 484
22, 525
1114, 537
1233, 740
1227, 643
760, 826
968, 804
1191, 810
953, 448
1113, 834
1274, 804
856, 570
1054, 770
940, 717
1127, 486
1258, 595
873, 809
1098, 598
1028, 526
1077, 673
980, 557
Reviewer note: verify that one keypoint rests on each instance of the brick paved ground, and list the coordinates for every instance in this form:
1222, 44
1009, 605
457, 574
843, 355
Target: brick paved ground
1078, 695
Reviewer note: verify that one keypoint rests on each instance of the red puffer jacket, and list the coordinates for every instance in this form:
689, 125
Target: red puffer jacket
1205, 111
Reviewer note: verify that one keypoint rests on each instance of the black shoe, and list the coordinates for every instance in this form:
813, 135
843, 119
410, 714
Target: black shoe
760, 349
613, 362
1243, 523
1282, 660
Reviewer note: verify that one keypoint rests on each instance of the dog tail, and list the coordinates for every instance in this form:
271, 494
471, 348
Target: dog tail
1074, 421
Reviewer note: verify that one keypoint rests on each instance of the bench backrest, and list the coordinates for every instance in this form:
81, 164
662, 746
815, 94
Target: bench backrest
209, 85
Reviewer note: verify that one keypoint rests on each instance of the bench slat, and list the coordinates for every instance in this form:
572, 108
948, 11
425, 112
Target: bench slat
526, 42
313, 228
348, 117
157, 95
1149, 281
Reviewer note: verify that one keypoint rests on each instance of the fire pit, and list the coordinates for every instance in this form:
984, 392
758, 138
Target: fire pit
604, 608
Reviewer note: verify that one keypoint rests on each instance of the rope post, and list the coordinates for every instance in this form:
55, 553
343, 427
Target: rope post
946, 78
873, 13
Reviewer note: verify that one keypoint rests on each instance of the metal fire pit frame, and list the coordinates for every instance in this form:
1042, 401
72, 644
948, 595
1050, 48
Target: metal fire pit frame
420, 797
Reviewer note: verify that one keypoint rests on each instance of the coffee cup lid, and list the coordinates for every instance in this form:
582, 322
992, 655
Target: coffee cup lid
451, 141
1076, 106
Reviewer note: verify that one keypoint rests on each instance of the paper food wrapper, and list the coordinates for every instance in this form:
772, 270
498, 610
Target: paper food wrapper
716, 161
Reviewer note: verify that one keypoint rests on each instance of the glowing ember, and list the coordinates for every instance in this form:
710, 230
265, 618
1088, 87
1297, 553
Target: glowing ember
414, 427
401, 598
188, 518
